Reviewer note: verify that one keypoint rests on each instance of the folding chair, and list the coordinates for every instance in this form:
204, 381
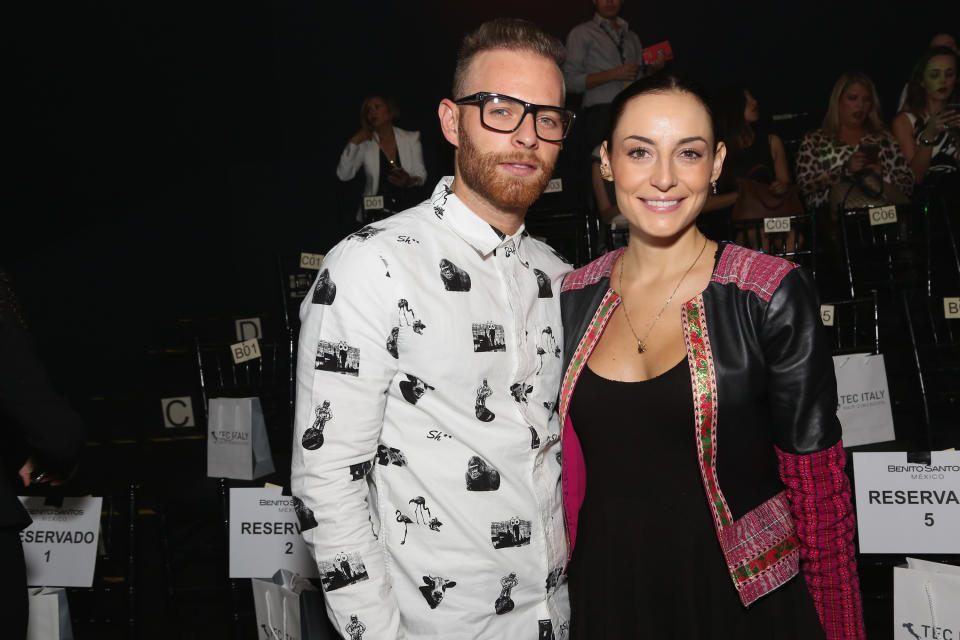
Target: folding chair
793, 237
853, 325
935, 342
883, 248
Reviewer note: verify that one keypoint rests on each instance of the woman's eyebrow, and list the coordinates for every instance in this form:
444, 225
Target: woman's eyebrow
683, 141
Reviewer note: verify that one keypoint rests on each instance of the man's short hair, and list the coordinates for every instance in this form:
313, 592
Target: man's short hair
503, 33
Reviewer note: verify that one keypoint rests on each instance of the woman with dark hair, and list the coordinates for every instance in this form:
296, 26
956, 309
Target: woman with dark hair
928, 128
391, 157
851, 139
751, 153
718, 511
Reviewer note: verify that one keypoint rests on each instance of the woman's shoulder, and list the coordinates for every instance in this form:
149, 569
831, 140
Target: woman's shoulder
591, 273
405, 133
750, 270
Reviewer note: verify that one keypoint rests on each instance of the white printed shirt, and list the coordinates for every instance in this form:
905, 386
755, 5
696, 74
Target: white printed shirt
426, 464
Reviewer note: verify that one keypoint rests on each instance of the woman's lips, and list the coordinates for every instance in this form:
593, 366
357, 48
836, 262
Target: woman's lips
662, 205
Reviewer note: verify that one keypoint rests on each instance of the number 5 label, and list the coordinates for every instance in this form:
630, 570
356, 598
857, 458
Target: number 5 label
826, 314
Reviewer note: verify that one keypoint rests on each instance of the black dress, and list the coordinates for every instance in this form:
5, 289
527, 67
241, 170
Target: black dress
647, 562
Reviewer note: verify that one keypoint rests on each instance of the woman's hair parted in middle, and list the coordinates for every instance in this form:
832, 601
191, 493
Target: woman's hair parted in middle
658, 83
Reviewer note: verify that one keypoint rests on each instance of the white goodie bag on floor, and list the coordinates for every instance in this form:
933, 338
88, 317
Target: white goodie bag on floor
926, 601
49, 614
863, 399
237, 445
281, 603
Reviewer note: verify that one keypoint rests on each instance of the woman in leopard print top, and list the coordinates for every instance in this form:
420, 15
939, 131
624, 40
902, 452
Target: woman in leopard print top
853, 137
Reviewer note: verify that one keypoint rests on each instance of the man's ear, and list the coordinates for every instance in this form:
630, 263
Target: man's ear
449, 115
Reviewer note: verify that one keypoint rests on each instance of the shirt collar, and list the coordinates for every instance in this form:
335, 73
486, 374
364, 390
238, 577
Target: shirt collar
474, 230
604, 23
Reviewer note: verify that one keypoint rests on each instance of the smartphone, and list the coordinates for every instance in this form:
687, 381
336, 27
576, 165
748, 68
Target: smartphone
872, 151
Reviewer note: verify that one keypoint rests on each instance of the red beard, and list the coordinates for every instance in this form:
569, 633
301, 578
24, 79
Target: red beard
479, 172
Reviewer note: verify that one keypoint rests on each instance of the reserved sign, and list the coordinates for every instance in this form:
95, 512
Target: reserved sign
907, 507
60, 545
265, 535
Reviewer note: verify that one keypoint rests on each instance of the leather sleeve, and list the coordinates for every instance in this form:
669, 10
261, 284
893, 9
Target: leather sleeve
819, 495
801, 381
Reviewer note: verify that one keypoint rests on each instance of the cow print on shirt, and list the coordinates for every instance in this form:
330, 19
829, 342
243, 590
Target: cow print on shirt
435, 588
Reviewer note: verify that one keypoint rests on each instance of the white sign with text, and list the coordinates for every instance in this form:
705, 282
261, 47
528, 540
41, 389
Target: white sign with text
372, 203
177, 412
265, 535
60, 545
951, 308
311, 260
907, 507
883, 215
554, 186
248, 328
863, 399
776, 225
246, 350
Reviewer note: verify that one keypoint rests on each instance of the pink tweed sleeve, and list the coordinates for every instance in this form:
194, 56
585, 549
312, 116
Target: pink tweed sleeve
819, 495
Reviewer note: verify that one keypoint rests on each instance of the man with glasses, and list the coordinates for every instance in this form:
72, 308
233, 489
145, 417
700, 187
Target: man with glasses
507, 122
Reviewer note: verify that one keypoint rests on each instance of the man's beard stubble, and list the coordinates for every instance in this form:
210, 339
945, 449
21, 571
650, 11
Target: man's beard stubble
479, 172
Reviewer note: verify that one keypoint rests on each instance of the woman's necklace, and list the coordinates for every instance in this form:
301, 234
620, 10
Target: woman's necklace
642, 342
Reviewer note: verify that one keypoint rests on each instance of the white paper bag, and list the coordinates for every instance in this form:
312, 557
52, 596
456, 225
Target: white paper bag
49, 614
277, 603
237, 445
926, 596
863, 399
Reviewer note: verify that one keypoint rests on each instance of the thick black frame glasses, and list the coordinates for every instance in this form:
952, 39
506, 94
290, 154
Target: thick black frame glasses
483, 98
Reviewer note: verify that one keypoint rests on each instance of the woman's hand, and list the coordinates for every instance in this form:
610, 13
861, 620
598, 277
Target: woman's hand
361, 136
779, 187
399, 178
27, 477
937, 124
856, 162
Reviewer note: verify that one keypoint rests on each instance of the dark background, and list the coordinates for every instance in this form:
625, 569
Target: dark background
164, 154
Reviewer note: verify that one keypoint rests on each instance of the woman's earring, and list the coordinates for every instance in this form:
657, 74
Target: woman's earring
605, 173
714, 183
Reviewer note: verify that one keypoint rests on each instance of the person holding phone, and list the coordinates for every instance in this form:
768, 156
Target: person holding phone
852, 138
928, 127
391, 157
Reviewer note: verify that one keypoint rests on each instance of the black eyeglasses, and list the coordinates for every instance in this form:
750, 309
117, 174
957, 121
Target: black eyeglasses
505, 113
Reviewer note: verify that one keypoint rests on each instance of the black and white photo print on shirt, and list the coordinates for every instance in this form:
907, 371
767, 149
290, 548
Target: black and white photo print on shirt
364, 234
534, 439
435, 588
413, 388
454, 278
388, 455
338, 357
421, 512
440, 201
481, 476
406, 316
553, 579
405, 520
504, 604
313, 436
544, 290
360, 470
392, 342
514, 532
520, 391
546, 346
325, 290
483, 392
546, 630
343, 570
355, 629
304, 515
488, 336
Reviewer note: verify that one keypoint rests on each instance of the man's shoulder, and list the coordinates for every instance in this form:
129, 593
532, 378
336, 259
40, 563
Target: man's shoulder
583, 29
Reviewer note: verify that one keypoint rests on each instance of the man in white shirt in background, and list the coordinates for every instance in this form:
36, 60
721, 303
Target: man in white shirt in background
427, 516
603, 57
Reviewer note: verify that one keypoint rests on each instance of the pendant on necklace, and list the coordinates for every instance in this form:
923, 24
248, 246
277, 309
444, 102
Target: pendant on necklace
641, 347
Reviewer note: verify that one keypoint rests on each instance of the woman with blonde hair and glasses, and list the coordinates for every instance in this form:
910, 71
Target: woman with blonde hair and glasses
852, 139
